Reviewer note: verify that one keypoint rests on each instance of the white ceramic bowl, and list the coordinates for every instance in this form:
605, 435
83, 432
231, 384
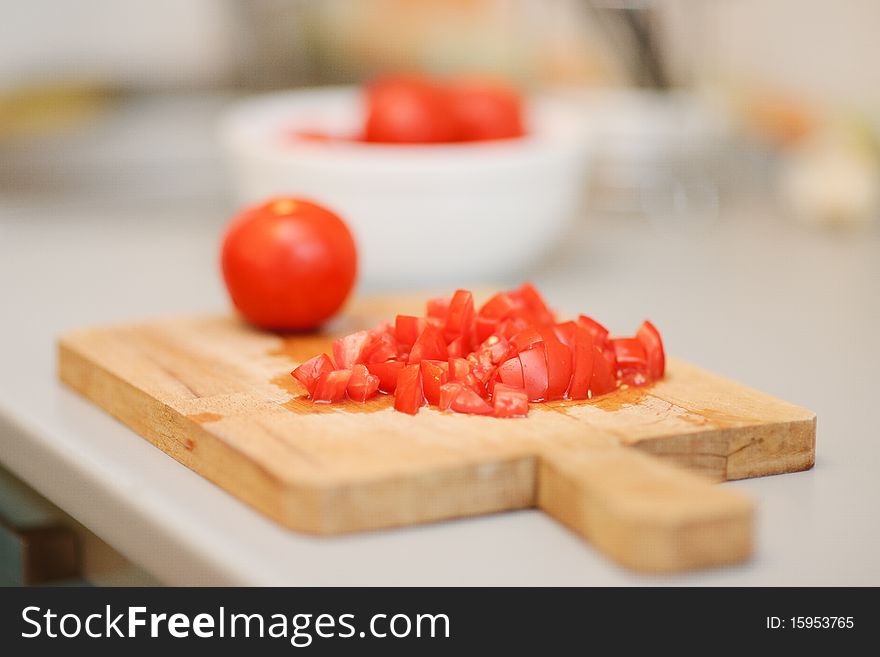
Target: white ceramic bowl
421, 214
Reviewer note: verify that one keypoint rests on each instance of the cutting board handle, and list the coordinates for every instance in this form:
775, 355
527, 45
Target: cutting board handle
643, 513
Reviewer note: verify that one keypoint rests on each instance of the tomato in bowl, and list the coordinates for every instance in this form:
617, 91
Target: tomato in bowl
421, 213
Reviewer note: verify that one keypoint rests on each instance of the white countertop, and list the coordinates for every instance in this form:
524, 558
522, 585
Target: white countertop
781, 308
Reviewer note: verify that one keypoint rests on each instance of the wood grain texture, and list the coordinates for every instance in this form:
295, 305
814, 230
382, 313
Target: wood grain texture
217, 396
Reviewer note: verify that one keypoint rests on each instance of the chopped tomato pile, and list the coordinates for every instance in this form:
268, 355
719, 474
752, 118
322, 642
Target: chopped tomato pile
494, 360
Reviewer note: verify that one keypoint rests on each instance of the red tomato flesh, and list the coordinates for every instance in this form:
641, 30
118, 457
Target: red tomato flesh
534, 367
649, 336
469, 402
526, 357
430, 345
434, 375
387, 373
309, 372
558, 365
602, 379
407, 329
362, 385
582, 365
508, 401
409, 397
331, 386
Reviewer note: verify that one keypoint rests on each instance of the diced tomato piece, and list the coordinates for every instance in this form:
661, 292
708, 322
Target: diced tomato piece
429, 346
476, 384
381, 345
448, 393
409, 396
331, 386
484, 327
387, 373
408, 329
459, 368
362, 385
309, 372
498, 307
650, 338
438, 307
536, 305
481, 368
632, 363
602, 379
497, 348
434, 375
558, 365
460, 318
511, 373
582, 363
526, 339
630, 352
534, 367
348, 349
511, 326
565, 333
456, 348
508, 401
600, 333
468, 401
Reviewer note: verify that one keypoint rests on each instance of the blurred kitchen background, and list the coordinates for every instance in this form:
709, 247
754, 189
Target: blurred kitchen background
697, 106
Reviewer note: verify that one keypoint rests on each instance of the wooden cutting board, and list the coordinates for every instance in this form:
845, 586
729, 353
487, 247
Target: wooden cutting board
217, 396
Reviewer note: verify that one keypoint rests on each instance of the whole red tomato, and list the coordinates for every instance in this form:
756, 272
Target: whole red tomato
288, 264
408, 110
484, 109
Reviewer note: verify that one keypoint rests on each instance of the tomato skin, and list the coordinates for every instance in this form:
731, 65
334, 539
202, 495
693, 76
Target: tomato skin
362, 385
430, 345
582, 363
388, 373
498, 307
630, 353
602, 379
508, 401
455, 349
526, 339
511, 373
438, 307
331, 386
309, 372
460, 319
434, 374
485, 109
558, 365
408, 110
534, 367
408, 397
655, 356
632, 363
288, 264
407, 328
537, 307
600, 333
347, 350
565, 333
381, 345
